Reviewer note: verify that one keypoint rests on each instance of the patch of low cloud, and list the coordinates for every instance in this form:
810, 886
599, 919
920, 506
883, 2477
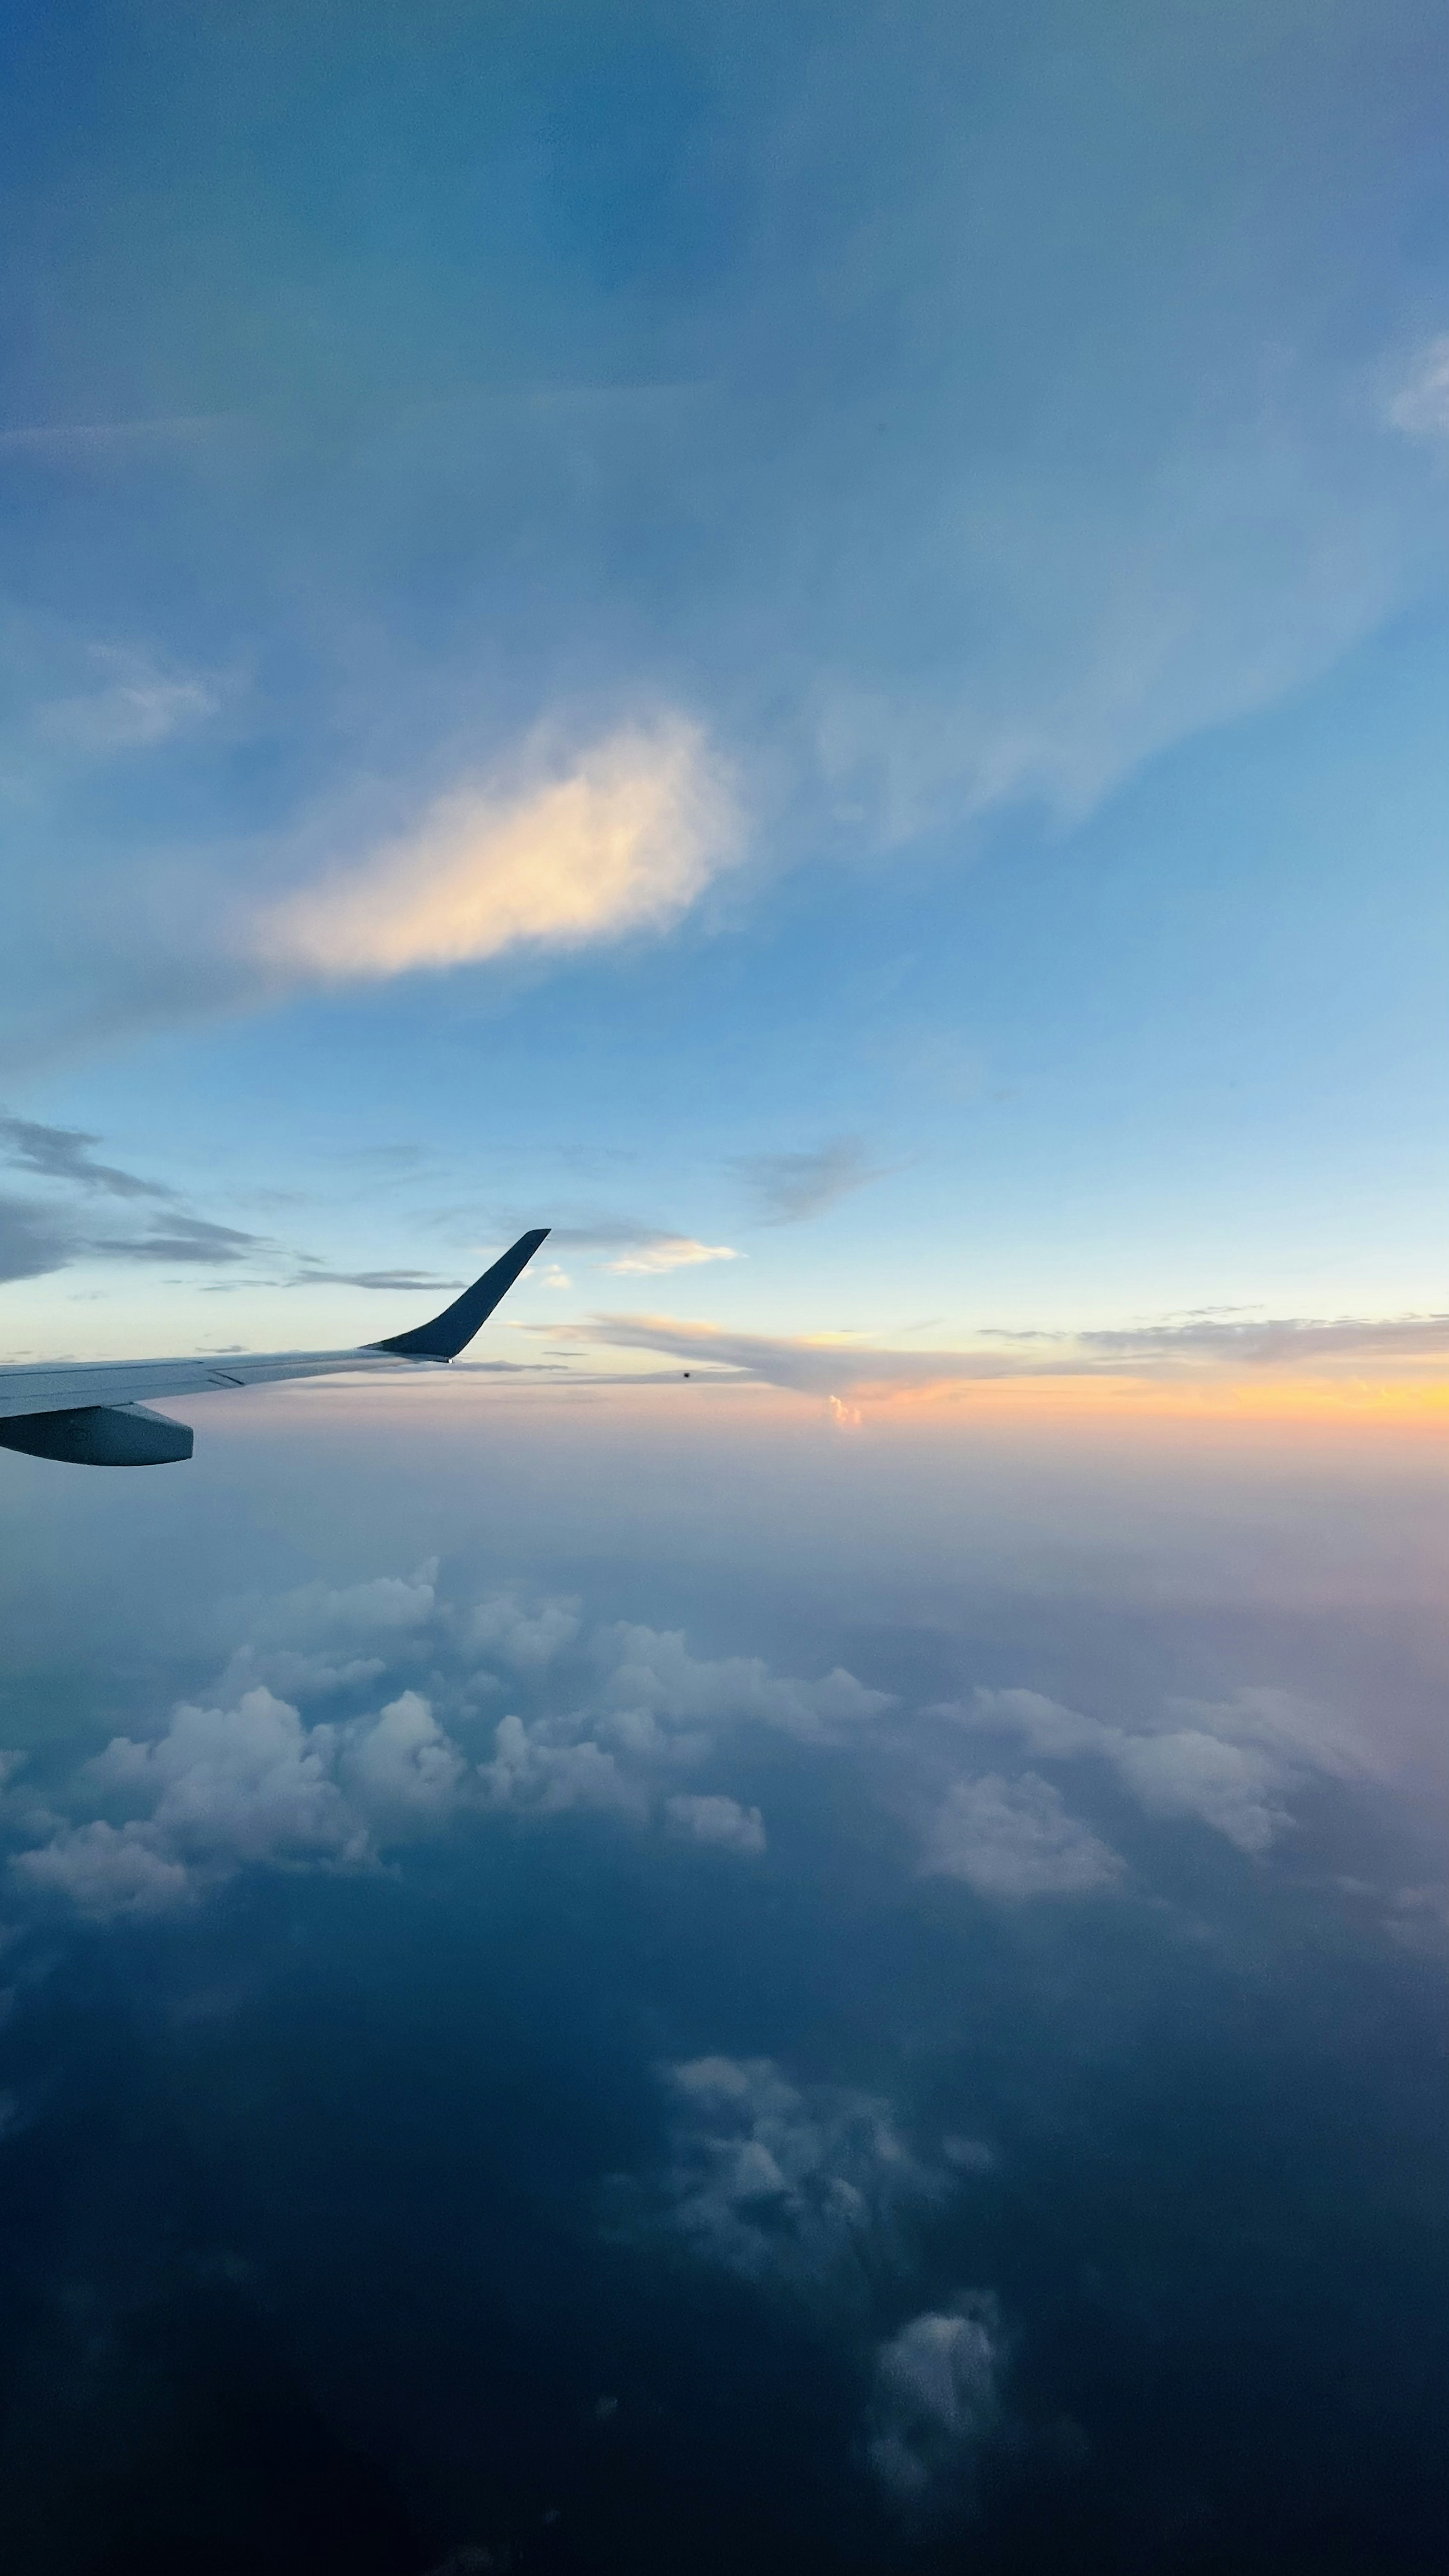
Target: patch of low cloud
624, 839
795, 2186
788, 1188
935, 2402
721, 1821
322, 1639
647, 1710
651, 1681
528, 1637
618, 1720
221, 1787
1014, 1839
1228, 1764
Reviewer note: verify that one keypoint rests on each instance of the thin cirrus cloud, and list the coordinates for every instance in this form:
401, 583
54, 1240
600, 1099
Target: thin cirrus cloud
1191, 1356
789, 1188
625, 840
1420, 406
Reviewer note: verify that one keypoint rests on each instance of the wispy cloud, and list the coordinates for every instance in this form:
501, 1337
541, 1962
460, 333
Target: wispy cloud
1420, 407
36, 1239
1187, 1353
137, 703
625, 839
787, 1188
389, 1279
64, 1154
671, 1252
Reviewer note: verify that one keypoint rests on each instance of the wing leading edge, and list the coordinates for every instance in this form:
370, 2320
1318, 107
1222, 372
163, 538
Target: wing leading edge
58, 1411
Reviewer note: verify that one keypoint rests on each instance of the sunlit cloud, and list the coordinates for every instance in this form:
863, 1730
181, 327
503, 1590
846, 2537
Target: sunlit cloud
625, 840
1287, 1369
671, 1252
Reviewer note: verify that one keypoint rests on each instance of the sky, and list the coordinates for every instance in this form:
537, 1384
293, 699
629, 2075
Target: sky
808, 645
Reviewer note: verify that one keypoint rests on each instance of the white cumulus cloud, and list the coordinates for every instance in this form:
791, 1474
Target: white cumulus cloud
1014, 1838
722, 1821
1230, 1764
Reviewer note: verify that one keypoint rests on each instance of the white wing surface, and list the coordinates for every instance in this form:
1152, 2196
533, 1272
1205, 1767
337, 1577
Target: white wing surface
75, 1396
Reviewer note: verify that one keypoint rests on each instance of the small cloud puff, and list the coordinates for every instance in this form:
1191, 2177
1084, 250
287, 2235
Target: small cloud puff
935, 2401
1014, 1838
528, 1640
801, 2187
670, 1252
721, 1821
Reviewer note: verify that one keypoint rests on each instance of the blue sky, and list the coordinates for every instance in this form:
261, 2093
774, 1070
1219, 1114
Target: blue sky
818, 637
809, 643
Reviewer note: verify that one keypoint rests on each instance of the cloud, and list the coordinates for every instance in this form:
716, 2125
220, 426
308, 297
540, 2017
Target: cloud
106, 1872
243, 1777
36, 1239
651, 1680
671, 1252
405, 1760
527, 1639
139, 705
64, 1154
1014, 1838
721, 1821
1188, 1355
182, 1238
935, 2400
647, 1709
625, 841
1420, 407
787, 1188
798, 2186
1278, 1342
388, 1279
1229, 1764
225, 1787
33, 1240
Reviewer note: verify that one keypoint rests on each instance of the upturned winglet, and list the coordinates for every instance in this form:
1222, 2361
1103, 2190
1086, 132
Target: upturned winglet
452, 1331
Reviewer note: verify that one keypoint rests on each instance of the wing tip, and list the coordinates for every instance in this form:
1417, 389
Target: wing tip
445, 1335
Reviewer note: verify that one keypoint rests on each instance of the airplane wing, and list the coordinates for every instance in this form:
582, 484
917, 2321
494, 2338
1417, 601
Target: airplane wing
94, 1412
